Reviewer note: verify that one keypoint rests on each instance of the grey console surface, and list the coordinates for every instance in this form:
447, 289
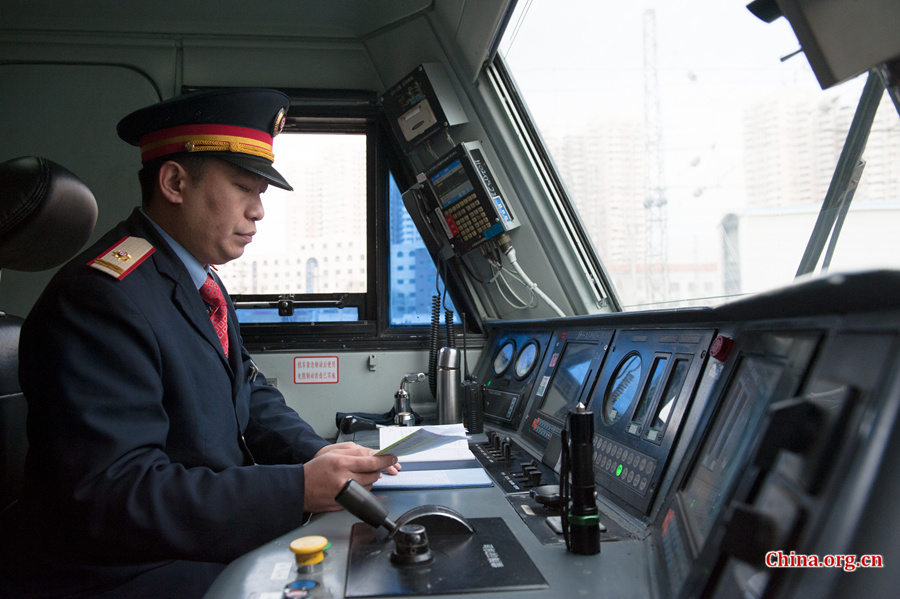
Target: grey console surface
622, 568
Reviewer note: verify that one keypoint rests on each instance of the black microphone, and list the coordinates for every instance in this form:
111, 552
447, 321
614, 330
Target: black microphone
583, 517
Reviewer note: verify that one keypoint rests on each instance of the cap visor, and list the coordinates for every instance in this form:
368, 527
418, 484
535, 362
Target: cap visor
259, 166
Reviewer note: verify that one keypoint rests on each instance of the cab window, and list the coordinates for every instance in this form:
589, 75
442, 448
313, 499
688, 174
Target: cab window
316, 262
698, 158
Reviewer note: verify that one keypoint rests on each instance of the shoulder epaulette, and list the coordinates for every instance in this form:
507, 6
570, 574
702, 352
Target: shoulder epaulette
122, 258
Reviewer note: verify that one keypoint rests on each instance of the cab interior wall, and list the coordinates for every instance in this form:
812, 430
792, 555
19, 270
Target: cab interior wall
318, 403
397, 52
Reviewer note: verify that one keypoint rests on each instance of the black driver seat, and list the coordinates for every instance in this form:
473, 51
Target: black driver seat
46, 215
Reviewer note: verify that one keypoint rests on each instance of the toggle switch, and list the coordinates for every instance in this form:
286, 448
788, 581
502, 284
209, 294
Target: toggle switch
506, 449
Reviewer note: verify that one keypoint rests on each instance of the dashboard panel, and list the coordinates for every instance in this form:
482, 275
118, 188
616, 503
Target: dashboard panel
637, 382
722, 437
508, 375
639, 401
569, 367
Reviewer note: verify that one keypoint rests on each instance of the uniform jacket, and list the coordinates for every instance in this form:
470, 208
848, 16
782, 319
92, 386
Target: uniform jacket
147, 442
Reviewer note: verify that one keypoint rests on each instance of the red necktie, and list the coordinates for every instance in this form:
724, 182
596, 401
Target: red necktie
218, 313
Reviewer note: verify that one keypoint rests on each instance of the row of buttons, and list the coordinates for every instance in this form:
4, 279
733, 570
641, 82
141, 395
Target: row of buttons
626, 465
544, 428
628, 457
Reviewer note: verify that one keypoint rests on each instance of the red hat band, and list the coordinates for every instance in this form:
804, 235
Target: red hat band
206, 138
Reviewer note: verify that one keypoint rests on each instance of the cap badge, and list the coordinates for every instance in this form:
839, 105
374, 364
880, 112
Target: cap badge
278, 126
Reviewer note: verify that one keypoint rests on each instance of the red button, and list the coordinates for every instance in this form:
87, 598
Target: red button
721, 347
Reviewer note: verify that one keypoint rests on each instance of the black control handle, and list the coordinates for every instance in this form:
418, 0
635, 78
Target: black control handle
352, 424
360, 502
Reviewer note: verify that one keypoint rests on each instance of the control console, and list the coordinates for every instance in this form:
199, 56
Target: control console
512, 468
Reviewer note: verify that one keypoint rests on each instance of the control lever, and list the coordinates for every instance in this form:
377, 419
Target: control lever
352, 424
524, 474
506, 449
493, 445
363, 504
360, 502
403, 415
409, 531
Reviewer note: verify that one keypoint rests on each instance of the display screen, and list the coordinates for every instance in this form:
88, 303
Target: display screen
667, 401
500, 403
568, 380
637, 421
735, 428
452, 183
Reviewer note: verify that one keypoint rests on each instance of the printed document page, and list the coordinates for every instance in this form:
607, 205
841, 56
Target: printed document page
425, 443
431, 457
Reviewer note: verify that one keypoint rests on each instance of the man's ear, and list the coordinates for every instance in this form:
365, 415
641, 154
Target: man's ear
171, 180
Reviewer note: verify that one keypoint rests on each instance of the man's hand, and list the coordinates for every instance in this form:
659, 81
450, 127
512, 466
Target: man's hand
326, 474
355, 450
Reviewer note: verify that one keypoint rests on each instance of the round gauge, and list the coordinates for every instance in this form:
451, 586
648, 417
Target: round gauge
622, 388
504, 357
527, 358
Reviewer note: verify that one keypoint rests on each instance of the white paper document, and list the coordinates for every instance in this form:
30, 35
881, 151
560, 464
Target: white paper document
431, 457
423, 442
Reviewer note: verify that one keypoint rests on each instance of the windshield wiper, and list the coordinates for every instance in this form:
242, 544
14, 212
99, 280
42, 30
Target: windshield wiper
845, 179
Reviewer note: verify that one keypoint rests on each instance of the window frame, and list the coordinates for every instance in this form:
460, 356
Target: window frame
603, 291
347, 111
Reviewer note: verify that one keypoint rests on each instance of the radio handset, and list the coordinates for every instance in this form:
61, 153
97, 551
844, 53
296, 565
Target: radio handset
422, 208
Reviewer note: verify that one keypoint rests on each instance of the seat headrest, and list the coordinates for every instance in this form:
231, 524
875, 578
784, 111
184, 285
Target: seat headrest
46, 214
9, 355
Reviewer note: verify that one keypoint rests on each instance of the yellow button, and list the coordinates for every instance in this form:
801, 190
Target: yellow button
309, 550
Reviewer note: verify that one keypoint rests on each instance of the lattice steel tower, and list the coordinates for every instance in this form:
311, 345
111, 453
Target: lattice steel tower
655, 210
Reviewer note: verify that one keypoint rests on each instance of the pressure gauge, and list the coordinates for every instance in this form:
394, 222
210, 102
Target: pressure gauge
526, 360
503, 357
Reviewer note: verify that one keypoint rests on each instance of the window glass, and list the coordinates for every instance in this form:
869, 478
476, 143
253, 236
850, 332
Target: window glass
313, 239
266, 315
696, 158
413, 276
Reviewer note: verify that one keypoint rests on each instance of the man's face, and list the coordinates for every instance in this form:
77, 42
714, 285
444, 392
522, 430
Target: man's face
220, 210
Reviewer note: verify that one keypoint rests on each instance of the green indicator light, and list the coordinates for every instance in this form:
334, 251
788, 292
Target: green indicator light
489, 383
693, 501
619, 470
